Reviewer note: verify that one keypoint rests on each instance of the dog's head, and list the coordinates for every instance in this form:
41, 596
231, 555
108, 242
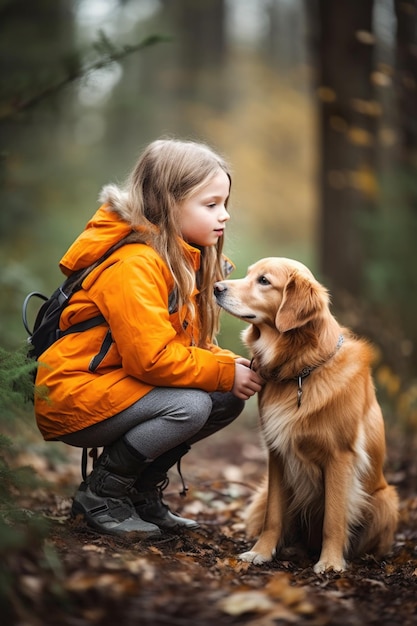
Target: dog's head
276, 292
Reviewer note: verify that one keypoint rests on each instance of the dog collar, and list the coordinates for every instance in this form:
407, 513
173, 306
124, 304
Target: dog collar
306, 371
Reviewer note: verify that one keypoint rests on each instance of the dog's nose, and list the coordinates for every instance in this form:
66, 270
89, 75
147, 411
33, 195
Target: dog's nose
219, 288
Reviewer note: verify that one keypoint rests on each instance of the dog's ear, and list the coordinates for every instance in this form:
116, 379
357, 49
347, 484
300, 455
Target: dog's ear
303, 299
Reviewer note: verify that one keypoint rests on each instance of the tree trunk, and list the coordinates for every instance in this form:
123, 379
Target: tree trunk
406, 79
347, 129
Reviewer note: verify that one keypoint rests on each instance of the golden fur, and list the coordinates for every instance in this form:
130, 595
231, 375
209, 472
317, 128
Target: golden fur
325, 478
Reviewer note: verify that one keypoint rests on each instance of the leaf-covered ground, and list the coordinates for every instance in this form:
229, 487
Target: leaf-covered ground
194, 578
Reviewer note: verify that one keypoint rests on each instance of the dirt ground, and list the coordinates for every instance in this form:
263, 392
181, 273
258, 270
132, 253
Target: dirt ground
194, 578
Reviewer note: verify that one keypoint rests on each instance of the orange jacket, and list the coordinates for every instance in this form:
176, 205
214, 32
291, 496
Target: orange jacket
150, 347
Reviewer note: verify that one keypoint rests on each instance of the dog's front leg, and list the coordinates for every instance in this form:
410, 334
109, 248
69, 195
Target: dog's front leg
265, 548
337, 481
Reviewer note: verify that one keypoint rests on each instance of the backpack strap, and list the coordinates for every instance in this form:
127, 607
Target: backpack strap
105, 347
81, 326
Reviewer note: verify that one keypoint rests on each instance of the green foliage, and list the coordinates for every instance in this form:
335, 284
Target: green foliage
16, 381
21, 531
16, 393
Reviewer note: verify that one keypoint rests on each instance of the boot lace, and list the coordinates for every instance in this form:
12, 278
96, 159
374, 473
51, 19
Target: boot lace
184, 490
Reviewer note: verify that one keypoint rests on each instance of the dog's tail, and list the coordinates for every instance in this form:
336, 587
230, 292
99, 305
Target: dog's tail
378, 534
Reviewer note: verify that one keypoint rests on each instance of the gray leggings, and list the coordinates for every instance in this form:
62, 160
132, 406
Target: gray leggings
161, 420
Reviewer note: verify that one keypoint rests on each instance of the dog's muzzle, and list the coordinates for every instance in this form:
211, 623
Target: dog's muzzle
220, 290
221, 294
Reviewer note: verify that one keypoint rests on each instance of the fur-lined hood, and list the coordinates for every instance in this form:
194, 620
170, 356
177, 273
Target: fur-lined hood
107, 227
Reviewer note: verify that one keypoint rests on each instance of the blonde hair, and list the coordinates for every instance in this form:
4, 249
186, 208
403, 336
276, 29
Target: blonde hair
168, 172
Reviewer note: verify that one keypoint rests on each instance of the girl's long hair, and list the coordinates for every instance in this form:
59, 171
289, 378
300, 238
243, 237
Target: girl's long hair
168, 172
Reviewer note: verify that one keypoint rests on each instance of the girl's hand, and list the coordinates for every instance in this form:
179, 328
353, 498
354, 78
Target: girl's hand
247, 382
243, 361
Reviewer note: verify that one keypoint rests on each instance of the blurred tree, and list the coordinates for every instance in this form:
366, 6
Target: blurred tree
36, 41
406, 83
367, 109
343, 50
200, 27
391, 278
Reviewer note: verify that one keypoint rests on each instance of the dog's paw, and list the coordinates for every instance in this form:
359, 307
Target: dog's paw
255, 558
323, 566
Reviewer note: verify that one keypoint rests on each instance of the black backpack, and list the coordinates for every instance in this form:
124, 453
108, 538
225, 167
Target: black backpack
46, 326
46, 329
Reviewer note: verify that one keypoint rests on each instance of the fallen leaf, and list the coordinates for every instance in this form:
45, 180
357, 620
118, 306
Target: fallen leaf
280, 587
246, 602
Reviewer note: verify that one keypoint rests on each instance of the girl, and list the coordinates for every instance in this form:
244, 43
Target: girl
149, 381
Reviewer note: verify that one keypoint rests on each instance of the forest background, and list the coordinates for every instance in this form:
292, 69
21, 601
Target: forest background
314, 103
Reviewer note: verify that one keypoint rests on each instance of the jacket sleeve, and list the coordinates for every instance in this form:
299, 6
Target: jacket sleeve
133, 297
222, 351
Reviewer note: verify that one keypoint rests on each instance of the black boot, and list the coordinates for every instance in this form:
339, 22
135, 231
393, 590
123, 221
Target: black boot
103, 498
147, 493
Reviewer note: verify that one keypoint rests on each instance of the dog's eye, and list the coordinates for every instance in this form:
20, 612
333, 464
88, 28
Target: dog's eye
262, 280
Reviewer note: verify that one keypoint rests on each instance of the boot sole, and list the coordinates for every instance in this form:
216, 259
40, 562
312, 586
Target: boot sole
170, 525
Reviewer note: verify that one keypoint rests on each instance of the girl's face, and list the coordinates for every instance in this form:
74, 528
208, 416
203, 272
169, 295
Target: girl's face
203, 216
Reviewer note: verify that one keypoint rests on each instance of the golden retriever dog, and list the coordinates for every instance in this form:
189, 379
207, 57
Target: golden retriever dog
319, 417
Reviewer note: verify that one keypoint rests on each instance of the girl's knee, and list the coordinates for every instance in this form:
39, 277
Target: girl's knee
226, 405
234, 405
198, 405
